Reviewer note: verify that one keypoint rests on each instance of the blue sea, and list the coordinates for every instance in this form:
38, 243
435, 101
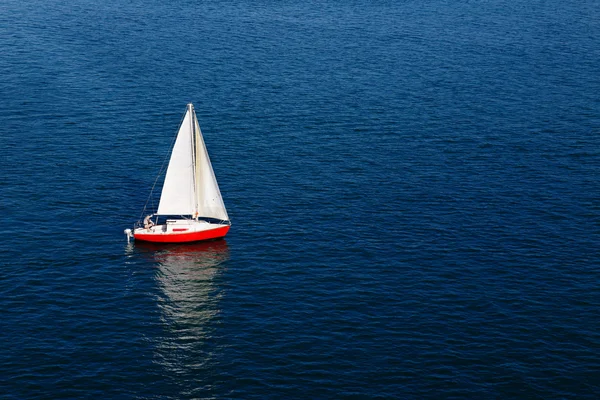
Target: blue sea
414, 190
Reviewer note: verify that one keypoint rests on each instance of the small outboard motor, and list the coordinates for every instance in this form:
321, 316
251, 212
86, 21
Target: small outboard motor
129, 234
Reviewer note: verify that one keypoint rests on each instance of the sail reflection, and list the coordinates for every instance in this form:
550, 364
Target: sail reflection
188, 302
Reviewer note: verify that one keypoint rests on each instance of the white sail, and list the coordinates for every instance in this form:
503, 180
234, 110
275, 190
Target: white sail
210, 202
190, 186
178, 194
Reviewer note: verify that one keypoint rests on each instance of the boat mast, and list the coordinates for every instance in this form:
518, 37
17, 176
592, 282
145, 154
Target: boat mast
194, 158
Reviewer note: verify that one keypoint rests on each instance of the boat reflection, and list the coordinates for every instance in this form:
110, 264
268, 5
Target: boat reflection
188, 302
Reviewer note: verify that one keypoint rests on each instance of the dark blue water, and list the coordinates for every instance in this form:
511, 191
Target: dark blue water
414, 191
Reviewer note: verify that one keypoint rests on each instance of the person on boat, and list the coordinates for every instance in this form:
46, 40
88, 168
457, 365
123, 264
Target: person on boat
148, 222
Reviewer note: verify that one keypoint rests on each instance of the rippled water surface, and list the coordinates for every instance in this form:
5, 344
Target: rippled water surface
414, 191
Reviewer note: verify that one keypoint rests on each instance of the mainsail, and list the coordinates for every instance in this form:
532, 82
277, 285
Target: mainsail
190, 186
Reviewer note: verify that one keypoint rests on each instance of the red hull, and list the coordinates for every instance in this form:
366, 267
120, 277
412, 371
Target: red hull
183, 237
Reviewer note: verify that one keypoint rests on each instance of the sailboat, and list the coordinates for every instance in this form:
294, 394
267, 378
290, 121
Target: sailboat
191, 207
